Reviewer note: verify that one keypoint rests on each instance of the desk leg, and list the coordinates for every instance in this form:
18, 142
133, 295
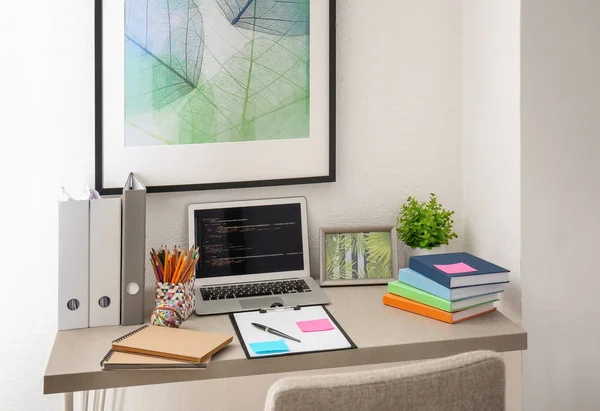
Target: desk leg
68, 401
102, 400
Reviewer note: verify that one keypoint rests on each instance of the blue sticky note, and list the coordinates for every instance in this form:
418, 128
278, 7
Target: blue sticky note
269, 347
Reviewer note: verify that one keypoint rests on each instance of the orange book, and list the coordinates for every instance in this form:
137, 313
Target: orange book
415, 307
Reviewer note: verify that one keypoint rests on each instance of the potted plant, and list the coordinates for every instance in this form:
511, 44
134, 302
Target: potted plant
425, 228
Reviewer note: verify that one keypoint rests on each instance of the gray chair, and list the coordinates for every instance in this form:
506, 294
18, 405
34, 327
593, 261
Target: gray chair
473, 381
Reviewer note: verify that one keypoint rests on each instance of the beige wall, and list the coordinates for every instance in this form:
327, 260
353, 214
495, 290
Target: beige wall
560, 203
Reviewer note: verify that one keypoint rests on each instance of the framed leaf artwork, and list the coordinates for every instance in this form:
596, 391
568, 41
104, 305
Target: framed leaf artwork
358, 256
212, 94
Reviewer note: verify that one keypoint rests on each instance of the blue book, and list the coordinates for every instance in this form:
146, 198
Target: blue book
458, 269
410, 277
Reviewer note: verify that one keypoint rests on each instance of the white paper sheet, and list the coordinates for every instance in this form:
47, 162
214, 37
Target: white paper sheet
285, 321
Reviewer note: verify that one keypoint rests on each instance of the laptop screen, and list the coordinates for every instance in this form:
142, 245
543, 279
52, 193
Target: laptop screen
249, 240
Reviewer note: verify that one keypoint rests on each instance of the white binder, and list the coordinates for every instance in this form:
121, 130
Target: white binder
105, 262
73, 264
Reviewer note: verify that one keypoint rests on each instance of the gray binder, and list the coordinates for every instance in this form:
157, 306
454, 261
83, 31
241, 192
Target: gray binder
133, 252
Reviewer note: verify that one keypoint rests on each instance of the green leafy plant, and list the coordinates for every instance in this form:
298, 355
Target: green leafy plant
425, 225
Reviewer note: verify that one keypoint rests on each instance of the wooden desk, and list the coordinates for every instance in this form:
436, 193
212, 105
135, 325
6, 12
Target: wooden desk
383, 335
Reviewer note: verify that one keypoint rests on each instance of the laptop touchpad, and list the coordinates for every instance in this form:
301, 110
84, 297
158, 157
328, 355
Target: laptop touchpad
260, 302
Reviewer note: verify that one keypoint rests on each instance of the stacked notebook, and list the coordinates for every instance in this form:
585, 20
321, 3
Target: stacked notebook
450, 287
162, 347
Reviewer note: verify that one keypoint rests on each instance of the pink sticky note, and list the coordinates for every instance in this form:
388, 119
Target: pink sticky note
315, 325
458, 268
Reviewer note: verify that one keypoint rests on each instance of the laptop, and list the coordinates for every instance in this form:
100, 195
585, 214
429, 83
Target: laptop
253, 254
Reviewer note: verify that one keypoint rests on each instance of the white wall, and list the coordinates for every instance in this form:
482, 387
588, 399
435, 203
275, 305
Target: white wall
46, 127
561, 199
491, 138
399, 134
490, 152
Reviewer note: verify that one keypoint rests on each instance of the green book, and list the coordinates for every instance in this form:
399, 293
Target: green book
412, 293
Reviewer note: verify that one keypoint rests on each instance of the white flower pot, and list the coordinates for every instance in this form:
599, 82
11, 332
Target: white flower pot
412, 252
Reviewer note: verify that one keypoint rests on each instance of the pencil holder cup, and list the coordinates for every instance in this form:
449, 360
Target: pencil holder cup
178, 295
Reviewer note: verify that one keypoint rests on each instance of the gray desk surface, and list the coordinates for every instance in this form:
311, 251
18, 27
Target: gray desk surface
383, 335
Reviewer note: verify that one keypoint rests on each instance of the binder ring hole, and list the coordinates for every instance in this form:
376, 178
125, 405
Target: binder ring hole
73, 304
133, 288
104, 301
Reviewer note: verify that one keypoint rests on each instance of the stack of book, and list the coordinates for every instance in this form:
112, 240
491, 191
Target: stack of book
450, 287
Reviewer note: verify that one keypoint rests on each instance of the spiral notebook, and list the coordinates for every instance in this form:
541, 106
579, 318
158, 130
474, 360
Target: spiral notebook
173, 343
125, 361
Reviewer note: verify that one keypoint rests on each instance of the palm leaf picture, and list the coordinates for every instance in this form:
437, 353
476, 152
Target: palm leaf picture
216, 71
358, 256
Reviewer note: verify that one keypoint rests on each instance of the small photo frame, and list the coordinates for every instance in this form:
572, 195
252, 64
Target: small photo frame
358, 256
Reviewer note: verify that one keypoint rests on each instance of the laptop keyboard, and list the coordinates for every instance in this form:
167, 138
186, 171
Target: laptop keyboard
254, 289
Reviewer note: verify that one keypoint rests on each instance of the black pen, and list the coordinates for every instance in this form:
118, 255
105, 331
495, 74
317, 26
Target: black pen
275, 332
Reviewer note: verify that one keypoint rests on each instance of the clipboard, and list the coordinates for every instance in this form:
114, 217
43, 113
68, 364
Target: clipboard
285, 319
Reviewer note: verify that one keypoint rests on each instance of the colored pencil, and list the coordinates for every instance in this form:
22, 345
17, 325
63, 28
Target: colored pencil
174, 266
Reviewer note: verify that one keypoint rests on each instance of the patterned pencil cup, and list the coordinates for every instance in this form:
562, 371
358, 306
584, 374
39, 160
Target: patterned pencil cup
179, 295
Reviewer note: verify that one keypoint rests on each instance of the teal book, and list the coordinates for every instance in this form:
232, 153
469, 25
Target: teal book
412, 293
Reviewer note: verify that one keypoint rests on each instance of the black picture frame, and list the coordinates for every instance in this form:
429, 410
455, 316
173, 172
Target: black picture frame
99, 132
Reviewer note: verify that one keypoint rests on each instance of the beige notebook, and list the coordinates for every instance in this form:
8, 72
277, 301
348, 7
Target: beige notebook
173, 343
125, 361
